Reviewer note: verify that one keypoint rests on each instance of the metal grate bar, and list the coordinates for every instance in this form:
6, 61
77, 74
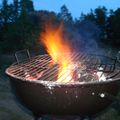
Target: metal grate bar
44, 63
35, 69
31, 67
113, 75
49, 74
64, 75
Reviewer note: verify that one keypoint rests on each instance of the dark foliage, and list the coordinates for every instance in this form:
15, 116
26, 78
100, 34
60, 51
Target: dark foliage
21, 25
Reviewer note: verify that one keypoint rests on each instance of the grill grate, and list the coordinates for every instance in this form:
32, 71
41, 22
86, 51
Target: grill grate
35, 66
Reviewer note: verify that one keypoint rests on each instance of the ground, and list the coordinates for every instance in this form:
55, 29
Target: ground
11, 110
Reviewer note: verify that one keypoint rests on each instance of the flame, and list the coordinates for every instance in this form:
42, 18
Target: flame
59, 50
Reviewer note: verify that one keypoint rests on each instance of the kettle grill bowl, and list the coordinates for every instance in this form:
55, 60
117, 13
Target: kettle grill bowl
81, 99
87, 98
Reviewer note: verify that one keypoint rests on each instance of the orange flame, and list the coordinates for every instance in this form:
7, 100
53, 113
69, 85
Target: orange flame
59, 50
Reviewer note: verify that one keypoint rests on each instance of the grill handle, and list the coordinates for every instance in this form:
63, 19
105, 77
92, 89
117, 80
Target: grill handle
23, 55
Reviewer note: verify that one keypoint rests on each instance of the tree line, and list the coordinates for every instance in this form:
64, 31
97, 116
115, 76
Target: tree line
21, 25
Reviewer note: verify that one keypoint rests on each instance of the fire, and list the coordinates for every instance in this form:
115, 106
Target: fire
59, 50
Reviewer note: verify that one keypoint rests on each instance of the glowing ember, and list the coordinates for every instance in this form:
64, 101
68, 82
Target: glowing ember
30, 77
57, 47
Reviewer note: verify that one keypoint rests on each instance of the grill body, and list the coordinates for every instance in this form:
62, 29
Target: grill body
65, 99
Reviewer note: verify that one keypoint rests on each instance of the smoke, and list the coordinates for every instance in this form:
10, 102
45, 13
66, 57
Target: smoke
85, 37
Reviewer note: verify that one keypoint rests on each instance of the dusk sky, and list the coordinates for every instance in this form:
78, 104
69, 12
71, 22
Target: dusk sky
75, 6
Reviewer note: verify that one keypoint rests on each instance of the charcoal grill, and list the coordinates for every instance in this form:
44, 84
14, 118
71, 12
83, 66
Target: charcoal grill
43, 95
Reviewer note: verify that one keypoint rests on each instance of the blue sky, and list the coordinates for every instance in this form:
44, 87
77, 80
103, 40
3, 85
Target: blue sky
75, 6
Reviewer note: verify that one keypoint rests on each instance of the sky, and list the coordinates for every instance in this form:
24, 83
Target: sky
75, 6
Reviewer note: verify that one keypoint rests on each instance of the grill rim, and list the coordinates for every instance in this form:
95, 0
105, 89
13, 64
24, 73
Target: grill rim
40, 81
64, 84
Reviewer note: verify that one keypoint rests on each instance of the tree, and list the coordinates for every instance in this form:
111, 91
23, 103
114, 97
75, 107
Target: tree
5, 20
18, 32
90, 16
113, 28
5, 12
101, 18
65, 15
15, 9
26, 6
